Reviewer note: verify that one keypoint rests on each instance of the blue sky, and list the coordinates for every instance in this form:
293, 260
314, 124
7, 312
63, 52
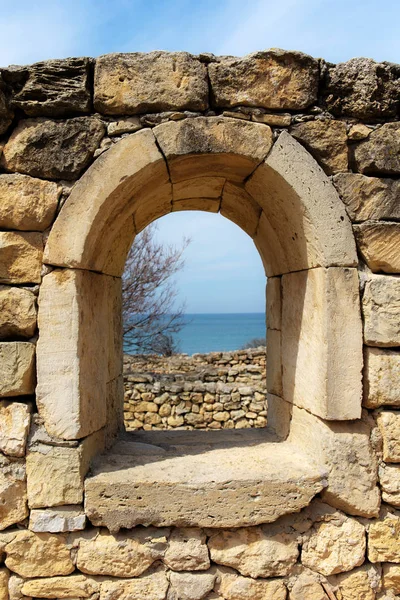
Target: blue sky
223, 271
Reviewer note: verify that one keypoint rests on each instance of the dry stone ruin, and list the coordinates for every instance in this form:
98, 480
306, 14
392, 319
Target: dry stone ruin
304, 156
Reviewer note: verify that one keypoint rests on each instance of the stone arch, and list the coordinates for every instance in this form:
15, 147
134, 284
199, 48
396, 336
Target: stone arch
275, 192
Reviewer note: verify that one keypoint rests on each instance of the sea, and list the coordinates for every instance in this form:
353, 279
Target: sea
204, 333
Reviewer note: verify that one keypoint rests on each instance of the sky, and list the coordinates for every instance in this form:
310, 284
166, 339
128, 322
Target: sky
223, 272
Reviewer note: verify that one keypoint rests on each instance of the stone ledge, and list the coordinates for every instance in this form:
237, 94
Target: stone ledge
211, 479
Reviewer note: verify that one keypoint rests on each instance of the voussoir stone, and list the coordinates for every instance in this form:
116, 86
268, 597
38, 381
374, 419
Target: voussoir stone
21, 254
379, 244
362, 88
380, 152
53, 149
15, 418
381, 377
27, 203
273, 79
13, 497
326, 141
72, 586
381, 308
17, 368
368, 197
17, 312
38, 555
138, 82
52, 88
187, 550
122, 555
255, 551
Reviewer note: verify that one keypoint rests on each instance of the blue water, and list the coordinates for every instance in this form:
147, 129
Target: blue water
215, 332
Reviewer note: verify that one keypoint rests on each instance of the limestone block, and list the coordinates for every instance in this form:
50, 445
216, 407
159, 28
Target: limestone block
126, 125
198, 187
122, 555
273, 79
190, 586
72, 360
279, 416
238, 206
13, 497
321, 332
55, 474
362, 583
381, 309
335, 545
379, 245
274, 303
383, 537
131, 83
72, 586
38, 555
381, 377
27, 203
274, 362
391, 578
57, 520
339, 447
53, 88
21, 257
152, 586
232, 586
15, 588
389, 479
308, 224
213, 146
389, 426
17, 368
15, 418
273, 119
359, 131
6, 114
380, 152
17, 312
368, 197
52, 149
326, 141
255, 552
187, 550
306, 587
4, 579
362, 88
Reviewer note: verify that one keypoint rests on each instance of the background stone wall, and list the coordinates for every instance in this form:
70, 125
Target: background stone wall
204, 391
56, 118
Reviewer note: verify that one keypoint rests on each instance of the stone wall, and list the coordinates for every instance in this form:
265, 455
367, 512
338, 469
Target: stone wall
219, 390
329, 533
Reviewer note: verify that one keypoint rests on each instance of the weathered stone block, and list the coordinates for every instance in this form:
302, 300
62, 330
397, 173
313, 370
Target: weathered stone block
220, 147
380, 152
313, 344
383, 537
362, 583
53, 88
13, 498
379, 244
326, 141
307, 587
15, 418
127, 84
21, 255
190, 586
391, 577
38, 555
27, 203
57, 520
389, 479
341, 446
389, 426
381, 309
152, 586
232, 586
187, 550
72, 586
368, 197
52, 149
381, 377
273, 79
255, 552
362, 88
335, 545
4, 579
17, 369
136, 550
17, 312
